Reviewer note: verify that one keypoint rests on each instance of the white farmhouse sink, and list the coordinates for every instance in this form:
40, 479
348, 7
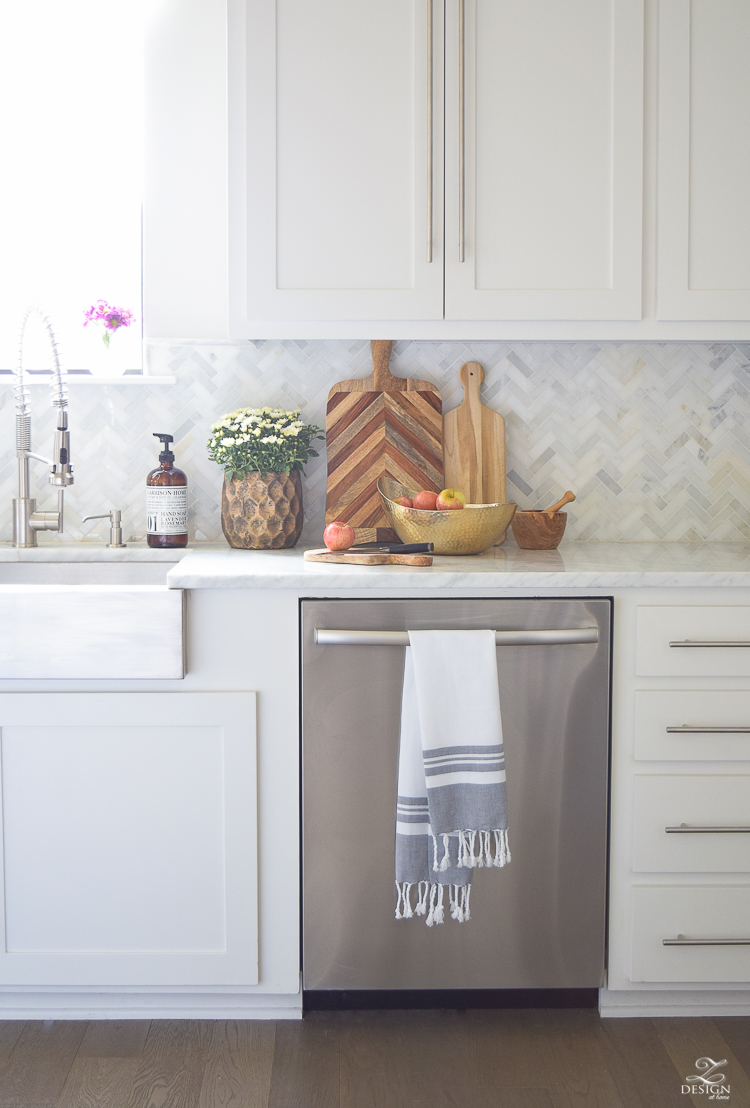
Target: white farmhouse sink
78, 620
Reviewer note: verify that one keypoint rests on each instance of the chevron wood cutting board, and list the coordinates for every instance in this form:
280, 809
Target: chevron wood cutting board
474, 444
376, 426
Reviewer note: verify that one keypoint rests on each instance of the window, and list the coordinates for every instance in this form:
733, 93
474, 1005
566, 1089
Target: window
71, 133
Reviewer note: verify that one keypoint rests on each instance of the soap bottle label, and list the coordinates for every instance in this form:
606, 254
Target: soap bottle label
166, 510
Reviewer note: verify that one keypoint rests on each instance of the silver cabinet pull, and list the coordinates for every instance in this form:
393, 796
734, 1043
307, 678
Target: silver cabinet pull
691, 642
682, 941
325, 636
429, 129
687, 829
461, 130
685, 729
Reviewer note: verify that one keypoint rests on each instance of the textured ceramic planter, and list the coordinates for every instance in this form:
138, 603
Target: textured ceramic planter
262, 511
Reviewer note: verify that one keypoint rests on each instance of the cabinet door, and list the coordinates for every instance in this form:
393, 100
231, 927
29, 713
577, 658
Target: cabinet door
704, 160
544, 159
332, 177
129, 840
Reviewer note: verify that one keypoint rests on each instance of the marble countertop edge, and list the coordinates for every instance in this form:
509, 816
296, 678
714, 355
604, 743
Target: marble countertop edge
576, 565
579, 565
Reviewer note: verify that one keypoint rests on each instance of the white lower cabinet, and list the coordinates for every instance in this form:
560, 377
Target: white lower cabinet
691, 823
680, 836
129, 839
685, 913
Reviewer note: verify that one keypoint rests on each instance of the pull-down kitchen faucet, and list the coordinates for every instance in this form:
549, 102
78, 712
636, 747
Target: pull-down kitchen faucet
27, 521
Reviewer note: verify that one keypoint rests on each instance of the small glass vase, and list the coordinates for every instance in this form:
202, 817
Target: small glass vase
262, 511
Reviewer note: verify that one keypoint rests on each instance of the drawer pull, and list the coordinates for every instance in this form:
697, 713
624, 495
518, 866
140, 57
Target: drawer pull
686, 730
682, 941
685, 829
691, 642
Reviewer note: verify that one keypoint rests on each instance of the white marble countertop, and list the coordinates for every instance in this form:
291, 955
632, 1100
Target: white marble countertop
577, 565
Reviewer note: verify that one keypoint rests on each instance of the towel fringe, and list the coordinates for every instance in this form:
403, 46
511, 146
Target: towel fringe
439, 915
431, 915
458, 895
458, 901
502, 849
423, 891
469, 858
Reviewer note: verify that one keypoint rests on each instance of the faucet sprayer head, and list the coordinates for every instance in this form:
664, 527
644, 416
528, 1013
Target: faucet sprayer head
61, 471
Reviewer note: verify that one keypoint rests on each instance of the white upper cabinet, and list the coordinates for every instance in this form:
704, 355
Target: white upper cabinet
489, 169
544, 141
704, 160
332, 176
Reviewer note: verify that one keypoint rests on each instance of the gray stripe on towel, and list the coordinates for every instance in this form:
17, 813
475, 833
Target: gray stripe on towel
449, 804
465, 767
444, 751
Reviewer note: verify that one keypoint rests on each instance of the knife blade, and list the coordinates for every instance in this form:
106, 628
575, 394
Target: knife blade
395, 547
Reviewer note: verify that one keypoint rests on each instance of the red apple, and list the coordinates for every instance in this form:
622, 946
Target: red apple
338, 535
450, 499
405, 501
425, 500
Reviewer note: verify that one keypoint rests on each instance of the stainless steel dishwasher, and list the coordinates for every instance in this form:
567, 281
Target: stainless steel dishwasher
537, 923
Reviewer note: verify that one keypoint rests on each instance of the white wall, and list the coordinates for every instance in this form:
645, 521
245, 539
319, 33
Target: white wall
185, 188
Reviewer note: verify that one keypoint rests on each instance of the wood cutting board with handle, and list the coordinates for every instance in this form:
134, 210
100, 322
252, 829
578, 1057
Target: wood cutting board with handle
474, 444
377, 426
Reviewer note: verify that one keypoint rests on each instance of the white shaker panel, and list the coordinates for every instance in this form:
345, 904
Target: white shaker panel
704, 160
693, 641
129, 839
716, 912
687, 801
690, 726
330, 167
550, 159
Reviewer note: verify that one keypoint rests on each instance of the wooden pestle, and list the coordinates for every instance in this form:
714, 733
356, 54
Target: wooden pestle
561, 503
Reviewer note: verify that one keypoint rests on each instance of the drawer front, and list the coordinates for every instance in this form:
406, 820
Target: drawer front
718, 912
699, 716
699, 802
659, 625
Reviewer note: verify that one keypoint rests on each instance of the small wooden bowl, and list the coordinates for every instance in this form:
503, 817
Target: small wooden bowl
537, 530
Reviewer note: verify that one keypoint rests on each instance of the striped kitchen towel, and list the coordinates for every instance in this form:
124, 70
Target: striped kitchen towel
451, 809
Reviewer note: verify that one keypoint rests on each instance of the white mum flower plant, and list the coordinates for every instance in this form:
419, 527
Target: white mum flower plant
268, 440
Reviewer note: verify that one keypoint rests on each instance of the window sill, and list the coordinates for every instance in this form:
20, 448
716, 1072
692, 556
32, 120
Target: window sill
34, 378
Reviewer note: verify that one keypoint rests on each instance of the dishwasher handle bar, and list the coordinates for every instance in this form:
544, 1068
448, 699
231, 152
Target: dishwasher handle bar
576, 635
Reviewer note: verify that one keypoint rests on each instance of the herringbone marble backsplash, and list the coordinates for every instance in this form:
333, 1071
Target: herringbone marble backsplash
653, 438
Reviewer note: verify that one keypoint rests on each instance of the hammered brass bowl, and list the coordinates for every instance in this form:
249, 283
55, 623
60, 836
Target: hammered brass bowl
468, 531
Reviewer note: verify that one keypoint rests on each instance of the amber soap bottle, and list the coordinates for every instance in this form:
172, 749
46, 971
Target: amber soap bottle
166, 501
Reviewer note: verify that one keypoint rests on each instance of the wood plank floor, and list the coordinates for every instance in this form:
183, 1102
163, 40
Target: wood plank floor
405, 1059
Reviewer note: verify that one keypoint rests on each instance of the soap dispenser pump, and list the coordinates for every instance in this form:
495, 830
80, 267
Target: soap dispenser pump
166, 501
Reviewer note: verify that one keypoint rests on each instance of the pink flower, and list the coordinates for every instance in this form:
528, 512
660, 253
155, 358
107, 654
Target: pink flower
109, 317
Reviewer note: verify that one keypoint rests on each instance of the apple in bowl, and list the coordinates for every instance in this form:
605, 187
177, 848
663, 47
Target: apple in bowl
425, 500
450, 500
